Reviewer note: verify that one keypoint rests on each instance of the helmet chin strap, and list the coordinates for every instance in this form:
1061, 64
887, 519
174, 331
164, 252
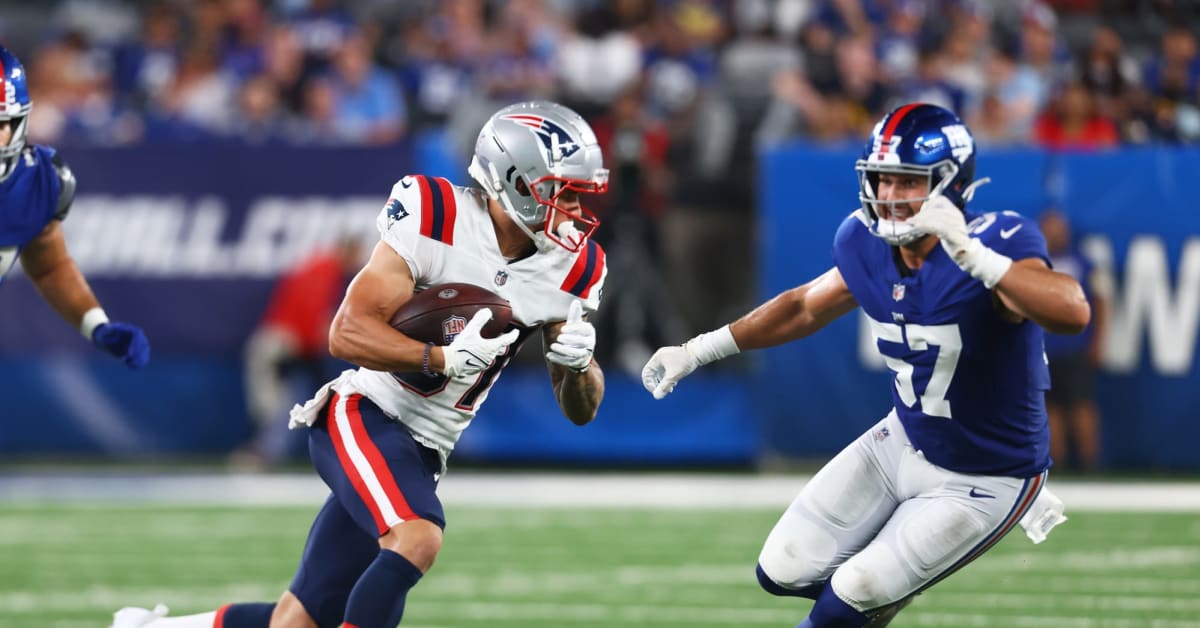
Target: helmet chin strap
969, 192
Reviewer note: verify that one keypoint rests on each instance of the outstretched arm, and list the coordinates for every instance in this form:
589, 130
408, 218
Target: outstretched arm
796, 313
793, 314
50, 267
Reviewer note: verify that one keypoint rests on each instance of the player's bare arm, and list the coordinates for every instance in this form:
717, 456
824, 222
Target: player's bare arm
796, 313
578, 393
1051, 299
360, 332
50, 267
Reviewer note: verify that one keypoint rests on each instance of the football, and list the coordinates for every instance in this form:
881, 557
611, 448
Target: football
438, 313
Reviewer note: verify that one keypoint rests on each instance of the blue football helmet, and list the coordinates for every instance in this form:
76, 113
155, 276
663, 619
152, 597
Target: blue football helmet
14, 105
916, 139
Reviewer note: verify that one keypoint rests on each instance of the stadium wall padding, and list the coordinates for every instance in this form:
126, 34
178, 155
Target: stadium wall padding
186, 241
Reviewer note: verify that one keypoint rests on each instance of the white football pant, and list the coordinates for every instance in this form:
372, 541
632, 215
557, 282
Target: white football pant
884, 523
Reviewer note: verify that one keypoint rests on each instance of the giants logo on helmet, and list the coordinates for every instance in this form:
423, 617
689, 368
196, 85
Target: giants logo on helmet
544, 129
961, 144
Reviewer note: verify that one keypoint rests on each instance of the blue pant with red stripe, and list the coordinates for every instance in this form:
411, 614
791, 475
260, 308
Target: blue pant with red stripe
379, 476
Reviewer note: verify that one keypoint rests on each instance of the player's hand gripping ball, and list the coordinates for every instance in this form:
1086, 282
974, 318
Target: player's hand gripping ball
465, 319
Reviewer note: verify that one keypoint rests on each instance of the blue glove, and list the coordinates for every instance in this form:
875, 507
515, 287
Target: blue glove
124, 341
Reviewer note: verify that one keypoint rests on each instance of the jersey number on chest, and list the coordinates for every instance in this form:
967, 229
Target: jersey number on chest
897, 342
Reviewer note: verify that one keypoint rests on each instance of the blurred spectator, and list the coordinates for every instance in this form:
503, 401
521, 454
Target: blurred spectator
145, 67
899, 44
638, 313
321, 27
1043, 50
201, 94
1016, 94
1109, 73
930, 84
287, 355
69, 81
1071, 122
603, 56
369, 106
965, 51
1074, 419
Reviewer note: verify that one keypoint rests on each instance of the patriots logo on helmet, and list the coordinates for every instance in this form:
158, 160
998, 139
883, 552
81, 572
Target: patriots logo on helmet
452, 327
544, 129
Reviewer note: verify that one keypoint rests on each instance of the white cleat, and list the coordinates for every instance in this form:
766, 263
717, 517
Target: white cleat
134, 617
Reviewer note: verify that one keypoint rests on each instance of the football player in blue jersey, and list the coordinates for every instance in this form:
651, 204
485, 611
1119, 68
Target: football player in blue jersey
957, 302
36, 190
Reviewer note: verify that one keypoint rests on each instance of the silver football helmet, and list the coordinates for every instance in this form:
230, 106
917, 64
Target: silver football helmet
534, 158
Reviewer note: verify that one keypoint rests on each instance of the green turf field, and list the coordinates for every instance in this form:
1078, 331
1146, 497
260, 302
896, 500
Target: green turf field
72, 566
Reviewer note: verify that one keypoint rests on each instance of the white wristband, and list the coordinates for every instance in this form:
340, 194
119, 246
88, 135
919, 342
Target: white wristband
712, 346
92, 319
984, 264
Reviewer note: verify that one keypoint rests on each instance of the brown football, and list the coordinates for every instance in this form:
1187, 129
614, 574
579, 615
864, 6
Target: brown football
437, 313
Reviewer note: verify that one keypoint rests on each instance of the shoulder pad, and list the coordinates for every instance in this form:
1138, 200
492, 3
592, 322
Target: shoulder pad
427, 204
66, 193
586, 272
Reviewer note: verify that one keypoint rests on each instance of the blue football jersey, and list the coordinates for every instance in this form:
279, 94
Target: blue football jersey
39, 190
968, 386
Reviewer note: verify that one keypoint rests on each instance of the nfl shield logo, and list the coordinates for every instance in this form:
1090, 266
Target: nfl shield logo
501, 278
451, 327
897, 291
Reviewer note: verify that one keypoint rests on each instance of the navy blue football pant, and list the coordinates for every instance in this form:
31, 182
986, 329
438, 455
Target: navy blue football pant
379, 476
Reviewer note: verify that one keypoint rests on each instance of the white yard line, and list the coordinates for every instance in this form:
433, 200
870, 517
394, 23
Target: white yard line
533, 490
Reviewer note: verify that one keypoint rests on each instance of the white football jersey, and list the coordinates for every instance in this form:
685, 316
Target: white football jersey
445, 234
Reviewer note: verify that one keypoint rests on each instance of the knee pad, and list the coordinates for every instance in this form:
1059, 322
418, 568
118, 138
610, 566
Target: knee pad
862, 587
774, 588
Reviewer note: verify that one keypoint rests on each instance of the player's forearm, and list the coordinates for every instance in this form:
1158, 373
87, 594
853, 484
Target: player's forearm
65, 289
579, 394
794, 314
1051, 299
373, 344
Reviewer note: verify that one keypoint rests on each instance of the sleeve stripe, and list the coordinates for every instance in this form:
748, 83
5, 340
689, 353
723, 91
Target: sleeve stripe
449, 211
438, 209
426, 206
586, 272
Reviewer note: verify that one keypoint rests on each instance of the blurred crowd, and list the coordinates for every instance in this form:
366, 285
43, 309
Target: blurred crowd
1060, 73
699, 85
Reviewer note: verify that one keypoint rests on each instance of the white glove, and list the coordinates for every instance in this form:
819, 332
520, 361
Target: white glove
469, 352
942, 218
575, 343
668, 365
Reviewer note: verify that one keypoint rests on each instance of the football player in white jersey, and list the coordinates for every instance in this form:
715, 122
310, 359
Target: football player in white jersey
380, 435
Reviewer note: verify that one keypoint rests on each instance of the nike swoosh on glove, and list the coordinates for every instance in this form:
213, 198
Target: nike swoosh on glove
125, 341
469, 352
576, 341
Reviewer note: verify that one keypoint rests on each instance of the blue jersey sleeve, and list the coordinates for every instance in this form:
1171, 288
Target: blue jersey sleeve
1011, 234
843, 246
